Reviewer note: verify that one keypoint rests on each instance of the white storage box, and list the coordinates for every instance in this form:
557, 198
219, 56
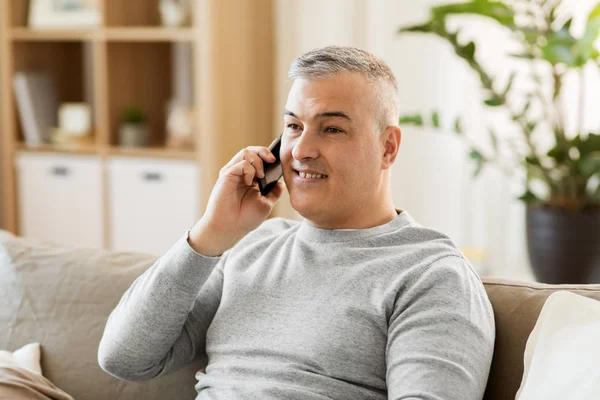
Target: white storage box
60, 198
152, 202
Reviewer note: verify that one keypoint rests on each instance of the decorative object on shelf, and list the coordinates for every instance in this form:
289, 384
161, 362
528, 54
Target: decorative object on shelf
175, 13
133, 131
74, 124
180, 127
37, 101
61, 14
562, 185
75, 118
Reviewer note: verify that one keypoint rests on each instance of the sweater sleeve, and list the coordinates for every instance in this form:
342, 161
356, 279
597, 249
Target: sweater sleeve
160, 323
441, 336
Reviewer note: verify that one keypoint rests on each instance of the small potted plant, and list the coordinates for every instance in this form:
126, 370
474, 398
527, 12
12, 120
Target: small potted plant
133, 131
561, 184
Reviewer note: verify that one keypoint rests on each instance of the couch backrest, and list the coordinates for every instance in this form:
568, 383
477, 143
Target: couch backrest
61, 297
517, 306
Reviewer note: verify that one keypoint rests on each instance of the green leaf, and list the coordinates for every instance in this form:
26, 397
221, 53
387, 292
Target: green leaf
589, 145
469, 50
494, 102
595, 13
435, 119
530, 198
492, 9
560, 48
458, 126
534, 161
479, 160
412, 120
494, 139
423, 28
559, 153
589, 165
525, 56
511, 80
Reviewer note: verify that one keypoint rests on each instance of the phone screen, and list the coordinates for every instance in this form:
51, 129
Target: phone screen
273, 171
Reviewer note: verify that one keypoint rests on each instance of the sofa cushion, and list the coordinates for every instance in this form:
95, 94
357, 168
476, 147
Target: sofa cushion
61, 297
517, 306
561, 357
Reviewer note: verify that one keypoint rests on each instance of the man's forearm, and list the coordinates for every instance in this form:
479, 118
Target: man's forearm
149, 318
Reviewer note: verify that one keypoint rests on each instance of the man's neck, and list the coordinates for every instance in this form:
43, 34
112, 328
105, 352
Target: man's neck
363, 219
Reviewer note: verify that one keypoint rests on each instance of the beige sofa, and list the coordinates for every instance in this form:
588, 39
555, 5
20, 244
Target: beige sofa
61, 297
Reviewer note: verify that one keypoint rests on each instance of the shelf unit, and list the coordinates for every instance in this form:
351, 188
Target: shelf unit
127, 60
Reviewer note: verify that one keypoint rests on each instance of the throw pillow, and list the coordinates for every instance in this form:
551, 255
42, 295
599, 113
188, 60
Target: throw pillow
21, 376
562, 352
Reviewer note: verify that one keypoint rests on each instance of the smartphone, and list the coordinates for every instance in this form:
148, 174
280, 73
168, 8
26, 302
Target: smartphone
273, 171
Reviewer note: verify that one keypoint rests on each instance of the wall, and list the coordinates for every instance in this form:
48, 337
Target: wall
431, 178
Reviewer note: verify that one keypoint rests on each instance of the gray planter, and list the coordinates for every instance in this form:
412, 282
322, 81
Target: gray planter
134, 135
564, 247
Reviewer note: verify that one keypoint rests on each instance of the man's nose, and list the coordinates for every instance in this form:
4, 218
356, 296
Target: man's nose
306, 146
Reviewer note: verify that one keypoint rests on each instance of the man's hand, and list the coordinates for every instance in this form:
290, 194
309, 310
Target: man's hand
235, 206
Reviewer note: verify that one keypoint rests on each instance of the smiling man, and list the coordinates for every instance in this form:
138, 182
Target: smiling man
356, 301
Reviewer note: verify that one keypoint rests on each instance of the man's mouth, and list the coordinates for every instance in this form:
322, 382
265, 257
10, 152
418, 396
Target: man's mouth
309, 175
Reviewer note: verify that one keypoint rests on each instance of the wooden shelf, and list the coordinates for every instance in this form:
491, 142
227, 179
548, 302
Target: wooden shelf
26, 34
218, 68
149, 34
152, 152
59, 148
144, 34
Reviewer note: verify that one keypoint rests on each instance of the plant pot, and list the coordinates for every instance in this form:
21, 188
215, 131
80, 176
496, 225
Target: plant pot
564, 247
134, 135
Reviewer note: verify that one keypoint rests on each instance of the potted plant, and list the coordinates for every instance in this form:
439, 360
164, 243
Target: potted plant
562, 190
133, 131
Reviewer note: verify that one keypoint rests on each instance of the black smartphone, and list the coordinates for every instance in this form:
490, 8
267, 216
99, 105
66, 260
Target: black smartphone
273, 171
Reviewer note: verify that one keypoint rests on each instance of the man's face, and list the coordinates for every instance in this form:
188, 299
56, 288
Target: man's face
330, 152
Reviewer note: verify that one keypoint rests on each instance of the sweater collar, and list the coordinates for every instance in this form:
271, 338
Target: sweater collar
311, 233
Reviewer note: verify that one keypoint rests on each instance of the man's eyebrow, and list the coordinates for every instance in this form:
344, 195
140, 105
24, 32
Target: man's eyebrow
327, 114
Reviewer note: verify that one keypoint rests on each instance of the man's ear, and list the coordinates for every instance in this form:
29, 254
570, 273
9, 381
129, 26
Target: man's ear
391, 138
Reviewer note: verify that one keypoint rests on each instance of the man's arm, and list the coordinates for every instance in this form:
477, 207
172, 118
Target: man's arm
441, 336
161, 321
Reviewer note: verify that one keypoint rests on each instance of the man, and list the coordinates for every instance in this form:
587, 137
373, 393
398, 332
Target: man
357, 301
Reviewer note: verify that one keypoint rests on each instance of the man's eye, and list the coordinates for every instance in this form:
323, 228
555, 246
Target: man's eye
333, 130
293, 126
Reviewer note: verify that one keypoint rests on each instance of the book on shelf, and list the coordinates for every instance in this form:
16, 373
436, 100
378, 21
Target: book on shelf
37, 104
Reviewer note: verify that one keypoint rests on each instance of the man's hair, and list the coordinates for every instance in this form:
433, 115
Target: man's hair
332, 60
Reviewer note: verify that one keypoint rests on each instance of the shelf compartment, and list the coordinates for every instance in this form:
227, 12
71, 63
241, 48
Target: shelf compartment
69, 63
134, 12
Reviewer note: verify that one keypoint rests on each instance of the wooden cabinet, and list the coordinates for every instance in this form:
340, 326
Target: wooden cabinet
222, 64
61, 198
151, 203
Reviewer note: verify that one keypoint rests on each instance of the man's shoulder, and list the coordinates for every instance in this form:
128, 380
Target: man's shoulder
269, 230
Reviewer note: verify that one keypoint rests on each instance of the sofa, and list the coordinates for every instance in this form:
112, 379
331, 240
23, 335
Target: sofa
61, 297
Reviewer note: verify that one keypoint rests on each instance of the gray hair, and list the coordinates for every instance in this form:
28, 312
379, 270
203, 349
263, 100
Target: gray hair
333, 60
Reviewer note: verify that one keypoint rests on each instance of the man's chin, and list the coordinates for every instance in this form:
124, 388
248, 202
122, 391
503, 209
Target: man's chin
307, 206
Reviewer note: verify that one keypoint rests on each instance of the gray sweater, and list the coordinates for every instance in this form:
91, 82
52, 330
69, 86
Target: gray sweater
298, 312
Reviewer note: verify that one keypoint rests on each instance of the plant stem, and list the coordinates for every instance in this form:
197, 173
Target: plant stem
581, 101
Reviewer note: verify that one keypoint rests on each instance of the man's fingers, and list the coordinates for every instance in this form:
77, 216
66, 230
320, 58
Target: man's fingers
244, 170
254, 154
256, 162
276, 192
